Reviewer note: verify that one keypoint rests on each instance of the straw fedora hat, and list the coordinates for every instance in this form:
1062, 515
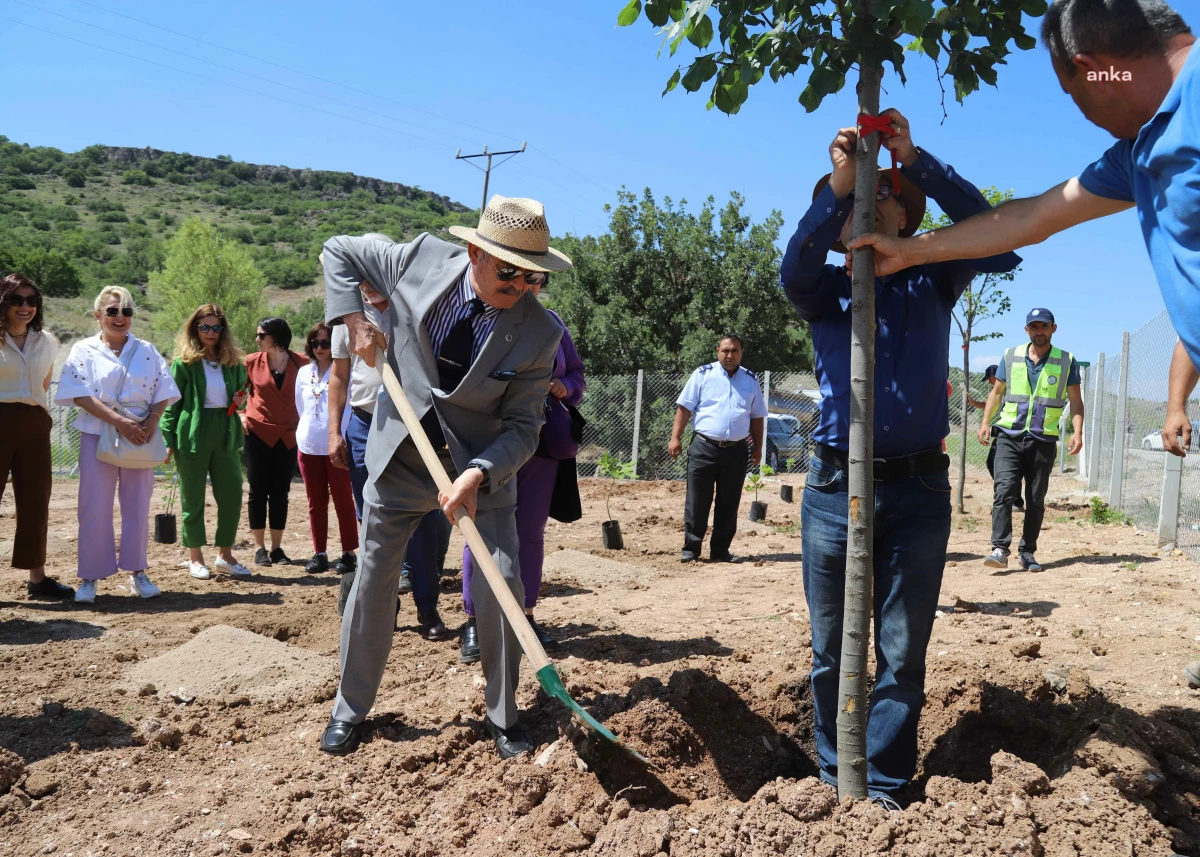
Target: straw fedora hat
914, 204
514, 230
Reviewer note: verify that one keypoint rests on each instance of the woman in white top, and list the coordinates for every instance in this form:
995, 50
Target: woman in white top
27, 355
122, 381
322, 479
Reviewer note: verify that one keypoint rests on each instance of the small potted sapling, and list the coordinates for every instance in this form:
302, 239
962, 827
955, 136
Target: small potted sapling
612, 468
164, 525
758, 511
785, 491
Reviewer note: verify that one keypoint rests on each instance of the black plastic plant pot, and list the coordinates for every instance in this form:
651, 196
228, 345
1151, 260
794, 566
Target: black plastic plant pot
758, 511
164, 529
611, 530
785, 493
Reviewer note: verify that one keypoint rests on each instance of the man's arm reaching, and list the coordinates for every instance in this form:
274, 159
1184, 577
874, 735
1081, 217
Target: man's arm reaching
1177, 431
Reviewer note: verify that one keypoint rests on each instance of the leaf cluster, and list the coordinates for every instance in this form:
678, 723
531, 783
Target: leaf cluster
754, 39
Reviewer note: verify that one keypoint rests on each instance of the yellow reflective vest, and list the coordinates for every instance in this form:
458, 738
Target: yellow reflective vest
1038, 410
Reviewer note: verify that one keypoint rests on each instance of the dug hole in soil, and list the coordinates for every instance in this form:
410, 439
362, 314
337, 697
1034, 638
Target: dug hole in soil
1056, 722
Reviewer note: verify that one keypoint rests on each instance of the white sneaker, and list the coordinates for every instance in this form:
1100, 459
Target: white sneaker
86, 593
236, 568
996, 559
199, 570
139, 584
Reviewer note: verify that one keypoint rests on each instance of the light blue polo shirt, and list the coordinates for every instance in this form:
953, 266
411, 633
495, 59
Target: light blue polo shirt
722, 405
1160, 171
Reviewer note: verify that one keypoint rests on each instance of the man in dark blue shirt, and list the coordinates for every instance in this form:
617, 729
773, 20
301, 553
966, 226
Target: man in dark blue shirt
912, 489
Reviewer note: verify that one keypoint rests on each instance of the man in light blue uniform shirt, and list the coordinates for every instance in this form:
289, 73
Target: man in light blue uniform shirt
1130, 67
729, 411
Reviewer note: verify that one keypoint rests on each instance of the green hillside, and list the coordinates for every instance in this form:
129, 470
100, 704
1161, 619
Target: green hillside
101, 216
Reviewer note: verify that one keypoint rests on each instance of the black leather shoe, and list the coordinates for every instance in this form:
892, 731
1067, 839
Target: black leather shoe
510, 742
48, 587
1018, 503
468, 652
279, 557
545, 639
405, 584
344, 591
687, 557
727, 558
317, 564
339, 738
432, 627
261, 557
347, 564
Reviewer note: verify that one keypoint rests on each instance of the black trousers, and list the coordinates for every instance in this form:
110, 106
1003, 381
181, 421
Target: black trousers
1018, 503
1021, 458
723, 469
269, 470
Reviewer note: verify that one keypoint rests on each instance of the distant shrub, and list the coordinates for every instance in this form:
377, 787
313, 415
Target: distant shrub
40, 224
20, 183
112, 217
242, 234
75, 178
136, 177
305, 314
289, 272
50, 269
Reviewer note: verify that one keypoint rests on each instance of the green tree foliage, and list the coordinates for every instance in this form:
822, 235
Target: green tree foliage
202, 267
290, 272
664, 283
137, 177
50, 269
754, 38
75, 178
303, 316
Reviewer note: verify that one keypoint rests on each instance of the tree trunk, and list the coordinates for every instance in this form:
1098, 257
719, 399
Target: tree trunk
966, 412
860, 527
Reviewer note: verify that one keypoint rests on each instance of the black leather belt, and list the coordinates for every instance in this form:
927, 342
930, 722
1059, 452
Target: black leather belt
363, 414
888, 469
721, 443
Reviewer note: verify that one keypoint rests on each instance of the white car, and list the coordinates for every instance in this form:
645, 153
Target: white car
1152, 440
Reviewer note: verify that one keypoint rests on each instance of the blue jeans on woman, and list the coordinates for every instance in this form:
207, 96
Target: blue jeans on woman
912, 528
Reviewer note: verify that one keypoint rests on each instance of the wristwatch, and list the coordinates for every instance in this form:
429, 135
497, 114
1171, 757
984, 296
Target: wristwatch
486, 478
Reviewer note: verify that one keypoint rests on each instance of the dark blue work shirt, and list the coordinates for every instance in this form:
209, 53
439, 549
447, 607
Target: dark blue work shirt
912, 307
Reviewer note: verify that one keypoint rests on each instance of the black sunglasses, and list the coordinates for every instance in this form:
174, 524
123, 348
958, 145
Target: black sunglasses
322, 343
510, 272
210, 328
31, 301
113, 312
260, 336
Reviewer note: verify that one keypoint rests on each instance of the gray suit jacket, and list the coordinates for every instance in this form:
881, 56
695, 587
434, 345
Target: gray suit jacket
495, 415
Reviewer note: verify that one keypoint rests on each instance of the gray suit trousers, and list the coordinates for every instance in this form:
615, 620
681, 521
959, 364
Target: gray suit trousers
393, 505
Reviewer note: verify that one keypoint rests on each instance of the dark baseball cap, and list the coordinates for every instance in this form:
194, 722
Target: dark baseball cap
990, 372
1040, 314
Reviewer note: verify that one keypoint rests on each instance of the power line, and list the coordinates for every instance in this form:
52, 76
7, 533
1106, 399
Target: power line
280, 98
297, 71
487, 171
231, 68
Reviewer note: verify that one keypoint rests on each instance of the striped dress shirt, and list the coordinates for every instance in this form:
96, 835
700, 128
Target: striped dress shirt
451, 307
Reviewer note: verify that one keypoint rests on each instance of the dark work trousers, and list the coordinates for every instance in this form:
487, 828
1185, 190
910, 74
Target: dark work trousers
269, 470
710, 467
1021, 458
1018, 503
25, 456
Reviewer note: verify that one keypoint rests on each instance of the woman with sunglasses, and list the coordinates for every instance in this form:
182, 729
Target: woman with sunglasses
27, 355
204, 434
321, 479
270, 424
119, 380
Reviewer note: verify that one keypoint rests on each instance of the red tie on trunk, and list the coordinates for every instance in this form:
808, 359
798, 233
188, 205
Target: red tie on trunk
882, 124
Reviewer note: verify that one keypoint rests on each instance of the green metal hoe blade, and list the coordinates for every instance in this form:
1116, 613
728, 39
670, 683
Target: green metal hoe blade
552, 683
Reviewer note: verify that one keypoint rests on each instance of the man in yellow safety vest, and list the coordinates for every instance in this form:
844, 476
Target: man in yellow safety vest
1035, 381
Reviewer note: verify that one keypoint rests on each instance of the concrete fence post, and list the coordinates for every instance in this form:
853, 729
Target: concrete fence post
637, 420
1168, 508
1093, 481
1117, 478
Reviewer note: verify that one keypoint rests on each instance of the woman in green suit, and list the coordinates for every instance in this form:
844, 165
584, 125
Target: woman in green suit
203, 431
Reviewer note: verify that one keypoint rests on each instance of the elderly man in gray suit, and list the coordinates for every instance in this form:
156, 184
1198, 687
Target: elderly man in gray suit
474, 350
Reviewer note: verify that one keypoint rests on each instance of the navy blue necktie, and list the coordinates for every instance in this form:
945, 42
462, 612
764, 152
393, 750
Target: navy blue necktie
454, 358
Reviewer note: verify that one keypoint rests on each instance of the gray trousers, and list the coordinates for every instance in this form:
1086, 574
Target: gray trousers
393, 505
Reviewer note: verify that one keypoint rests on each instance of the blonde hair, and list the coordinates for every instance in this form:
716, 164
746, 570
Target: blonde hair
190, 349
120, 292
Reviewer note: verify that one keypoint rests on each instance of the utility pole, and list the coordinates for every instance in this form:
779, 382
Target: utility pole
487, 172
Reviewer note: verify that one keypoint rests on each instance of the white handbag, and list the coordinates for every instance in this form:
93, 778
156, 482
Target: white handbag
116, 450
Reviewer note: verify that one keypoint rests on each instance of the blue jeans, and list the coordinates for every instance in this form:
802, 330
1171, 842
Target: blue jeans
356, 444
912, 528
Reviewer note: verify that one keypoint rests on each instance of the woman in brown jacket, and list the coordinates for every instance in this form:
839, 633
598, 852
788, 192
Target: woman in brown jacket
270, 427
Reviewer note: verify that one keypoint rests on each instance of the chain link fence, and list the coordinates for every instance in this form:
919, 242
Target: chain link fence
1126, 394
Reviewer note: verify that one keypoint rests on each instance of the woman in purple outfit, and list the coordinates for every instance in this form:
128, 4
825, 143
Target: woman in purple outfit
535, 487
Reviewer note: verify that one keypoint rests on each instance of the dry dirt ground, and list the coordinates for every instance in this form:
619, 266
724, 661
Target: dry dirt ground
1057, 722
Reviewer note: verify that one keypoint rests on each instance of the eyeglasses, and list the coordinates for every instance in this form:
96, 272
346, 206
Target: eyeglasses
31, 301
113, 311
511, 272
322, 343
260, 336
210, 328
885, 191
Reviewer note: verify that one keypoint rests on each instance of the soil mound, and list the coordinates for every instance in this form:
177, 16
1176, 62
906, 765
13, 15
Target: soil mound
226, 660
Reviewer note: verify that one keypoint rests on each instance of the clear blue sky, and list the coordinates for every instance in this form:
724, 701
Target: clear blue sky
583, 92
